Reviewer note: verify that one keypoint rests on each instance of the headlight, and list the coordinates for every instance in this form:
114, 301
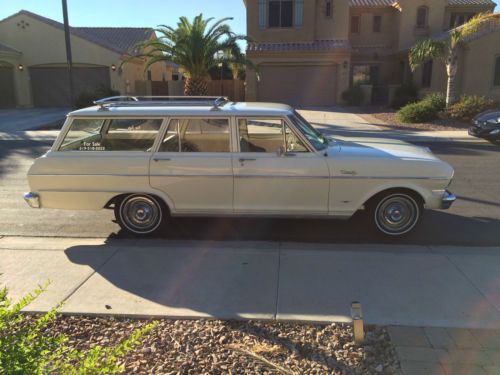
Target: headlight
495, 132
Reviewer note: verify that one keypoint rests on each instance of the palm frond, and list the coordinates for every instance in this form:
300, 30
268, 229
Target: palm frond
194, 45
426, 50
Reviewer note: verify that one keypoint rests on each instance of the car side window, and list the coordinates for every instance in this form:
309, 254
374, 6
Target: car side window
111, 135
293, 143
197, 135
83, 134
266, 135
260, 135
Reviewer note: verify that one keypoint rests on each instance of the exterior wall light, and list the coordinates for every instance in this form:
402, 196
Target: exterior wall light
113, 67
20, 67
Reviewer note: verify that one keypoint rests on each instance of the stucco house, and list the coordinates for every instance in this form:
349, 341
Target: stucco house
33, 70
309, 51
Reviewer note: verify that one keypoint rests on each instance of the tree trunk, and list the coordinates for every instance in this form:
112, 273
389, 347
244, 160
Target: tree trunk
196, 87
451, 90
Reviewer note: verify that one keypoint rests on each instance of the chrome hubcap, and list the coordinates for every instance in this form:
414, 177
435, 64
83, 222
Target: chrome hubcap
397, 214
141, 214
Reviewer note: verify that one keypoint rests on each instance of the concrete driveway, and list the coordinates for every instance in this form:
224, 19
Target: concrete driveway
402, 285
13, 120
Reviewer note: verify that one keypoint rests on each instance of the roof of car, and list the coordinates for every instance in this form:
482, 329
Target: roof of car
228, 109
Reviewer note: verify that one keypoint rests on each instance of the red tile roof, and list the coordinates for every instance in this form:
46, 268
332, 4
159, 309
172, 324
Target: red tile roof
387, 3
318, 45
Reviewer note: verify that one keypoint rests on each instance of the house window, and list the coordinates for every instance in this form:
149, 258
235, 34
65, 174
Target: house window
328, 8
280, 13
355, 24
427, 74
360, 74
377, 24
496, 80
458, 19
422, 14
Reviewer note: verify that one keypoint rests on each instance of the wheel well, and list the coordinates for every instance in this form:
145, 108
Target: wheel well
113, 201
415, 195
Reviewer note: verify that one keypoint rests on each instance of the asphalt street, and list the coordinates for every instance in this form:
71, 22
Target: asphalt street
473, 220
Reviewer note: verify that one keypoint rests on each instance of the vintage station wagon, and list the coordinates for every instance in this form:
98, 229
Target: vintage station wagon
149, 158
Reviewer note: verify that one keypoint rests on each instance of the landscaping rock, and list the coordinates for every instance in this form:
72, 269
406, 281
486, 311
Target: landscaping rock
236, 347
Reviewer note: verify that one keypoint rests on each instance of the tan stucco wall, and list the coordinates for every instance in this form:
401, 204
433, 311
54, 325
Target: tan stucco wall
408, 34
366, 37
43, 44
479, 64
336, 26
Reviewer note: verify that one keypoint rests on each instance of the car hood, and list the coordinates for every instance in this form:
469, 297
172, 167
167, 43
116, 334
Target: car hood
382, 148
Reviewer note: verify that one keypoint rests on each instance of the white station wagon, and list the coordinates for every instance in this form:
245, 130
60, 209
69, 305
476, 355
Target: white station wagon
149, 158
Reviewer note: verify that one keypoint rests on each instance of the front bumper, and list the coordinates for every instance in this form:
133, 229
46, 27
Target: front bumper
32, 199
447, 200
479, 132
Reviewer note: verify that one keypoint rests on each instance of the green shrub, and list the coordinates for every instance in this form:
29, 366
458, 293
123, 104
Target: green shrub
425, 110
469, 106
354, 95
437, 101
417, 112
405, 94
27, 347
86, 98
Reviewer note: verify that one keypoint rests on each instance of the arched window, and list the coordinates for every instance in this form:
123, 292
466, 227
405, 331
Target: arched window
328, 8
422, 15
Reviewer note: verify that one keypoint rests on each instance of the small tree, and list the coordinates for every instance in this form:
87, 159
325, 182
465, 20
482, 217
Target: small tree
449, 48
196, 47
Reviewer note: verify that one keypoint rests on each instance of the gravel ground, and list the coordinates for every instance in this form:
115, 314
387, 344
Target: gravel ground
388, 120
234, 347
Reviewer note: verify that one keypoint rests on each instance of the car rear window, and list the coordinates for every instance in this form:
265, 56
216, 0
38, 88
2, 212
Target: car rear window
111, 135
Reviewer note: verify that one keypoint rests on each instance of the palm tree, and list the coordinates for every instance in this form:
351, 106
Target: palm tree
196, 47
448, 49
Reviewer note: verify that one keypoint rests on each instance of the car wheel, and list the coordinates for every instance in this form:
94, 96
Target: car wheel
396, 214
139, 214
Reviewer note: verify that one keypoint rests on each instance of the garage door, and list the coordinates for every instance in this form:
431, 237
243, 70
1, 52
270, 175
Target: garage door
7, 99
298, 85
51, 85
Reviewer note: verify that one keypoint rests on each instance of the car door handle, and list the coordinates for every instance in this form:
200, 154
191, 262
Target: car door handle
161, 159
242, 160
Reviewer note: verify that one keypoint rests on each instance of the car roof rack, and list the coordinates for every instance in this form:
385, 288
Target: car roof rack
161, 101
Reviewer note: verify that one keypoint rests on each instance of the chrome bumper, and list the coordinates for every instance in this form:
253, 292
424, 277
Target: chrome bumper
447, 200
32, 199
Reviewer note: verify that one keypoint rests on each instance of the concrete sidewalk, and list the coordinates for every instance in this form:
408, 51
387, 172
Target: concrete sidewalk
401, 285
339, 122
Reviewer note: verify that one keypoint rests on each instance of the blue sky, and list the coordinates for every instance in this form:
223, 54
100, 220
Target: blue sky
134, 13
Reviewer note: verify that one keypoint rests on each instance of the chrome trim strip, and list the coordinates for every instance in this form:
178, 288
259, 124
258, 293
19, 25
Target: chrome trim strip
191, 175
90, 175
387, 178
244, 176
279, 176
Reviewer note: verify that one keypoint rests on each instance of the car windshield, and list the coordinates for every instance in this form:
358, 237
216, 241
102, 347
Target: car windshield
316, 138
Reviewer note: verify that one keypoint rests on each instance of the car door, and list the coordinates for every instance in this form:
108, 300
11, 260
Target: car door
193, 165
276, 172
